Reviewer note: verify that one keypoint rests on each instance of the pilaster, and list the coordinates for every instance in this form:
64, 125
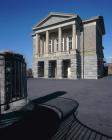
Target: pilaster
73, 68
47, 42
35, 69
37, 44
59, 69
74, 37
46, 63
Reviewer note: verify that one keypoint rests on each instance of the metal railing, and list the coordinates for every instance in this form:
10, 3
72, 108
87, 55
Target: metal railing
14, 81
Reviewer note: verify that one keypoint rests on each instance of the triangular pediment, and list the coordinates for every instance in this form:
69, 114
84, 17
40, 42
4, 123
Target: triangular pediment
53, 18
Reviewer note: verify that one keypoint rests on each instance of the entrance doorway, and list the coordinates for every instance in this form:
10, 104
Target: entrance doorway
66, 69
41, 69
52, 69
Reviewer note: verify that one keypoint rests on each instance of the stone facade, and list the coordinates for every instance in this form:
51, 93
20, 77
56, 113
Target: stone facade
110, 69
64, 46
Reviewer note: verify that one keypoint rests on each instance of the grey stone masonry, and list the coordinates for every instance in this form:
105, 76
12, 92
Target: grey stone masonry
89, 37
90, 67
59, 69
34, 65
74, 45
73, 68
46, 68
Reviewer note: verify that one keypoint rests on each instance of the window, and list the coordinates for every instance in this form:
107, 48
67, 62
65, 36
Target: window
50, 46
53, 45
65, 43
57, 44
62, 42
69, 43
43, 46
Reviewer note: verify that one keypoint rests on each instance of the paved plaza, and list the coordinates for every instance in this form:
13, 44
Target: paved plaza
94, 97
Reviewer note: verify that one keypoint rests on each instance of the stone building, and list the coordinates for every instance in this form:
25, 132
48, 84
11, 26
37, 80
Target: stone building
65, 46
108, 69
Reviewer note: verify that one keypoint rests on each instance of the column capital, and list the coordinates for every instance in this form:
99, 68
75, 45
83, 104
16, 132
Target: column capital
74, 27
47, 31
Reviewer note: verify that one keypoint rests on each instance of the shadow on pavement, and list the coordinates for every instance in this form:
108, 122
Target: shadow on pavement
48, 97
32, 122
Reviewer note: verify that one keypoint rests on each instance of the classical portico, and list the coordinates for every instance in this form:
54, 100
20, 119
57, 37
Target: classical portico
57, 47
56, 40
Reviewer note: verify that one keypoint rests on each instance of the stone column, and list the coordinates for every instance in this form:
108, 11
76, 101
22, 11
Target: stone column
74, 37
59, 39
47, 42
35, 69
37, 44
36, 53
46, 66
74, 68
59, 69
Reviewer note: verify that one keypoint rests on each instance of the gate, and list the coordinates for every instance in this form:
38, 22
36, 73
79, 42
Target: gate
12, 79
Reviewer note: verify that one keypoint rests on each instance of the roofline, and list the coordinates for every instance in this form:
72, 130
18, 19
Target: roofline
97, 18
51, 14
59, 13
71, 18
91, 19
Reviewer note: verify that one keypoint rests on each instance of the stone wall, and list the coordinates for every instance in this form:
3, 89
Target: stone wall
90, 67
110, 69
89, 51
59, 57
2, 82
99, 51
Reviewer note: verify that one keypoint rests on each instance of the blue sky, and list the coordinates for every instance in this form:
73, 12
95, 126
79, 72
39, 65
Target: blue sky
18, 16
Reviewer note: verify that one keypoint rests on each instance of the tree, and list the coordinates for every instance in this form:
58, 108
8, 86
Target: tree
29, 73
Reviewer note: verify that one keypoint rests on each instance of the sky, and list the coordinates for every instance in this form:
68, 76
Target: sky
17, 18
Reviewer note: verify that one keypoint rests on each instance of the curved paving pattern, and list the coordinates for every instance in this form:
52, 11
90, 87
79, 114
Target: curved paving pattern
53, 120
73, 129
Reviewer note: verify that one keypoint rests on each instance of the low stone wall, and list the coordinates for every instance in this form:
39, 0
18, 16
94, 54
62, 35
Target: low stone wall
14, 106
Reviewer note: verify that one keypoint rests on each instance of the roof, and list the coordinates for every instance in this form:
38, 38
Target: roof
100, 21
11, 54
53, 18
